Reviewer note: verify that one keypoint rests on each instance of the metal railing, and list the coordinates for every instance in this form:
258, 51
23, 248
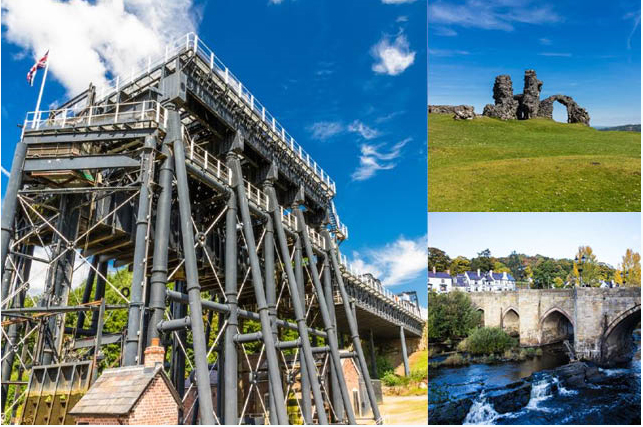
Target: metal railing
256, 196
192, 42
316, 239
208, 163
288, 219
97, 115
365, 280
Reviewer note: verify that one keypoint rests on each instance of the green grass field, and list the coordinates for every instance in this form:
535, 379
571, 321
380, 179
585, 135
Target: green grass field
533, 165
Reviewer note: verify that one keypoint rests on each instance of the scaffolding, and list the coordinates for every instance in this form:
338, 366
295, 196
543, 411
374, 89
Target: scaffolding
178, 172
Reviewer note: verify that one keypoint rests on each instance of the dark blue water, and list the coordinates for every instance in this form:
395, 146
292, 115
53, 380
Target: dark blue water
616, 400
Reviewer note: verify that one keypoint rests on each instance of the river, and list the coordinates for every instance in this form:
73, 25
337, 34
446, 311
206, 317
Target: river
615, 401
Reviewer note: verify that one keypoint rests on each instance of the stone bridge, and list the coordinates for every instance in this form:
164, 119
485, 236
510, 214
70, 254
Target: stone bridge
599, 322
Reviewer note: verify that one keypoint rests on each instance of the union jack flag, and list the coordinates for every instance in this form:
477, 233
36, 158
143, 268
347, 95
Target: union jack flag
40, 64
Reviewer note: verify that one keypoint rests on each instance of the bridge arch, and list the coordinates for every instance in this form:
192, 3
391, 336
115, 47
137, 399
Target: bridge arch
480, 310
555, 325
510, 321
617, 341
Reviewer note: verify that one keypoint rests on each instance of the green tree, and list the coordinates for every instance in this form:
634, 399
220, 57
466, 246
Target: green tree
545, 272
438, 259
459, 265
450, 316
483, 261
589, 267
559, 282
514, 263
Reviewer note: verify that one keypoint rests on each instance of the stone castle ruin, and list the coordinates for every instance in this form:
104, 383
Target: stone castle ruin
528, 104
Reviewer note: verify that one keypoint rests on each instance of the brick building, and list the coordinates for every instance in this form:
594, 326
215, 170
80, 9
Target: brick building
135, 395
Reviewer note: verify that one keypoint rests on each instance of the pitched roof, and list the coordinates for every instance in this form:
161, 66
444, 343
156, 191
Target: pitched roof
439, 275
117, 390
473, 275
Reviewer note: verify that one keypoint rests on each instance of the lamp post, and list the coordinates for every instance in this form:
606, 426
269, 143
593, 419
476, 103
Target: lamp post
579, 263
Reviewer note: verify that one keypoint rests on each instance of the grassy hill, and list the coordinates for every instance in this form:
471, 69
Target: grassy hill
534, 165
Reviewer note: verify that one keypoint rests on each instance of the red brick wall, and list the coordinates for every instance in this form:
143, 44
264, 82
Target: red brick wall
352, 379
104, 421
156, 407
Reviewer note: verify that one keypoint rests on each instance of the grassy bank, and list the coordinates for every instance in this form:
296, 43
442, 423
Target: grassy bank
534, 165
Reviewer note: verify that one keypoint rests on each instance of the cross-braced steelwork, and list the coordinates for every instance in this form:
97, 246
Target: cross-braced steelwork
230, 233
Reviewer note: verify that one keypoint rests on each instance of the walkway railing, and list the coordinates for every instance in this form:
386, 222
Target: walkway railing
97, 115
367, 281
192, 42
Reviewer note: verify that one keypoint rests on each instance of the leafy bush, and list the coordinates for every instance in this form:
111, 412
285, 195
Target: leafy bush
418, 375
383, 366
462, 345
508, 354
539, 352
390, 379
488, 340
531, 352
523, 354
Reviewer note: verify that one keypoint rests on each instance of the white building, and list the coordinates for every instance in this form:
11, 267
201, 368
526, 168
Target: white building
440, 282
472, 281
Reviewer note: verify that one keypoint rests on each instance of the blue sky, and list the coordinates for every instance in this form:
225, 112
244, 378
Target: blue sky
347, 81
556, 235
590, 50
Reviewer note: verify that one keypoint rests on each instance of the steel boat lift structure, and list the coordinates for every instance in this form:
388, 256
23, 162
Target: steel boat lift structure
180, 173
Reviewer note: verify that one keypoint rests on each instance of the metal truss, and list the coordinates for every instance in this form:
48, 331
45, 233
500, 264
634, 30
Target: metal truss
179, 173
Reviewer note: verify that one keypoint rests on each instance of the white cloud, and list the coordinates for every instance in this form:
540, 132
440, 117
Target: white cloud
324, 130
93, 41
545, 41
491, 14
397, 1
374, 158
563, 54
395, 263
447, 52
365, 131
402, 18
444, 31
636, 18
392, 58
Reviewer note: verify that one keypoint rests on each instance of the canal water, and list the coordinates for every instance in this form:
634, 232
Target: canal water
615, 401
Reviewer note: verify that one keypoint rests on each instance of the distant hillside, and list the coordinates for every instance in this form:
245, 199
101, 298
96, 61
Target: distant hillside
486, 164
627, 128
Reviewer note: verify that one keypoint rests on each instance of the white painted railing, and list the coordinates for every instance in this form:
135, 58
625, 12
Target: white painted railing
316, 239
288, 219
256, 196
192, 42
124, 112
207, 162
367, 281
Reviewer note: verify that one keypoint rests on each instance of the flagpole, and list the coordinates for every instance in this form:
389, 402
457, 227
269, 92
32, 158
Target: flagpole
42, 86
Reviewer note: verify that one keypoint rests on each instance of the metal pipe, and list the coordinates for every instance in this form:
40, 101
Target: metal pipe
249, 337
161, 240
202, 374
271, 297
230, 361
10, 202
336, 393
132, 349
323, 308
174, 324
271, 352
244, 314
306, 403
352, 325
405, 357
299, 312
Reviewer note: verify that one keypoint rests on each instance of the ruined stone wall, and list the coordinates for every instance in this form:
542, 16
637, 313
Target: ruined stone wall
460, 112
528, 105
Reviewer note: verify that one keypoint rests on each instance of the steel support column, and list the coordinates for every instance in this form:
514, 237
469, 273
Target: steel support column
271, 298
161, 240
87, 292
306, 403
323, 308
271, 352
338, 403
230, 361
10, 202
405, 357
373, 358
352, 325
202, 375
297, 308
132, 349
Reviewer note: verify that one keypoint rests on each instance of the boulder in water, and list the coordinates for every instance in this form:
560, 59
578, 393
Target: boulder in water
510, 398
452, 412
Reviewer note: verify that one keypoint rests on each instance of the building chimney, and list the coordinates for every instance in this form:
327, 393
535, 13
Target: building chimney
478, 272
154, 354
448, 271
434, 269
